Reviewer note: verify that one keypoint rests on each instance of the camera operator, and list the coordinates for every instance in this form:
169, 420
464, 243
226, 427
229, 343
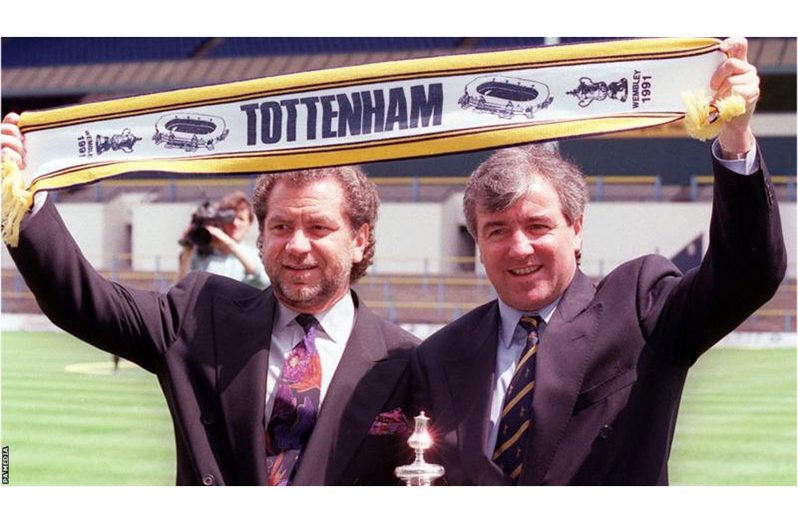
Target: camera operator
212, 242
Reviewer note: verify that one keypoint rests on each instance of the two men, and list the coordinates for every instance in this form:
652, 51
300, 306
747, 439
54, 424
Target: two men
561, 381
557, 382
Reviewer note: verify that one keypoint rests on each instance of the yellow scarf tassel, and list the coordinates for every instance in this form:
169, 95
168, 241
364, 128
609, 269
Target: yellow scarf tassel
17, 200
703, 117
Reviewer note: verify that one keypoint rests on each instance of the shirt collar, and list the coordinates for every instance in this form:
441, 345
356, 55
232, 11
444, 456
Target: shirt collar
336, 322
511, 316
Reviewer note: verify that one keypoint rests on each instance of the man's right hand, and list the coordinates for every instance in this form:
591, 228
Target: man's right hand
12, 140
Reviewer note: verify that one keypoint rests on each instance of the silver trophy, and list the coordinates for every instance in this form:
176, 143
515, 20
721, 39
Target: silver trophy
419, 473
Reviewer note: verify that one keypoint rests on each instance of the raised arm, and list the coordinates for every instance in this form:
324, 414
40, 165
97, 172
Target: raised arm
746, 258
135, 324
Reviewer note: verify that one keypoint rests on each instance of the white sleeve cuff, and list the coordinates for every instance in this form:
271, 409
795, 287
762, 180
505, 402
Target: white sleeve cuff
38, 202
745, 166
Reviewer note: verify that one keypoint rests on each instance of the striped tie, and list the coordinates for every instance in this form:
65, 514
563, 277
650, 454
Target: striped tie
517, 411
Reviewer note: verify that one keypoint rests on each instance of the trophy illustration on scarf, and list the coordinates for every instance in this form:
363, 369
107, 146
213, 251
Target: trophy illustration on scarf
589, 90
119, 142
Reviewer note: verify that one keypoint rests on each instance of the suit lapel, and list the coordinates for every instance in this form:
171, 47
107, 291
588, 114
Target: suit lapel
561, 366
470, 372
355, 396
242, 335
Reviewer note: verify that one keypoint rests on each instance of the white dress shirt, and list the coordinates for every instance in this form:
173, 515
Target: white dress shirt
511, 342
745, 166
335, 327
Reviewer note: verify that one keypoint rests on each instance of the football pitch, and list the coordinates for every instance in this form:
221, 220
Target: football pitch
69, 419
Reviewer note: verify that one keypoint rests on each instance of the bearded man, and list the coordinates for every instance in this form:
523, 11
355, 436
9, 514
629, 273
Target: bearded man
299, 384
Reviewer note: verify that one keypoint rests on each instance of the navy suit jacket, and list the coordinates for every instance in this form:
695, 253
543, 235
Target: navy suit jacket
207, 340
613, 360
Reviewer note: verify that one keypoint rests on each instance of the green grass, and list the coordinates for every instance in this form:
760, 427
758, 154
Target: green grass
67, 428
737, 424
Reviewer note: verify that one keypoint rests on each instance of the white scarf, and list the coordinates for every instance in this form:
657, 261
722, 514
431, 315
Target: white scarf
368, 113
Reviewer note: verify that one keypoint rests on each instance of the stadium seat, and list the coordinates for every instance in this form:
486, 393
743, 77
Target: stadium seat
29, 52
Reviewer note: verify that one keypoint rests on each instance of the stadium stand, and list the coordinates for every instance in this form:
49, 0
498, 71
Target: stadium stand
391, 188
33, 52
499, 42
231, 47
435, 299
771, 55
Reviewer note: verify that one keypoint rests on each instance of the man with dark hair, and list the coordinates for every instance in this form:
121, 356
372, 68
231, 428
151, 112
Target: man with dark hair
562, 382
300, 384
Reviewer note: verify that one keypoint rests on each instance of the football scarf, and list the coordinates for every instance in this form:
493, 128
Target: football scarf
373, 112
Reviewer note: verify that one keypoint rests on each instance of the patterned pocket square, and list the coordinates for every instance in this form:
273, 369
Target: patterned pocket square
391, 422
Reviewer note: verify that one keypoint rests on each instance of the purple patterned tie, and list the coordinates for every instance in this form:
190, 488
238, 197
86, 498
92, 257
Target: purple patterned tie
295, 406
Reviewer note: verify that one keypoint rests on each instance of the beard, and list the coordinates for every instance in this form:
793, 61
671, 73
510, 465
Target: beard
307, 297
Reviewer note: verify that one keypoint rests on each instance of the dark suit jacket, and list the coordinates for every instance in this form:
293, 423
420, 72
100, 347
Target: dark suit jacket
613, 360
208, 341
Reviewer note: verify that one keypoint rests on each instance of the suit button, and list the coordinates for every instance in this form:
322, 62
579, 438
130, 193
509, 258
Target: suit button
208, 418
208, 480
605, 432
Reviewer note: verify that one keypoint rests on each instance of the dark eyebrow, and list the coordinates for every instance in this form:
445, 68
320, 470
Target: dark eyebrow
495, 223
541, 217
313, 218
538, 218
321, 216
275, 217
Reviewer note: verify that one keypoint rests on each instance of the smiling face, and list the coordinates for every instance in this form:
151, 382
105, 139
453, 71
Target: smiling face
529, 249
308, 246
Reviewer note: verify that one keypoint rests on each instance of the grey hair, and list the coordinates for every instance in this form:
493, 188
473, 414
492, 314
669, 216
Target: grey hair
505, 177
